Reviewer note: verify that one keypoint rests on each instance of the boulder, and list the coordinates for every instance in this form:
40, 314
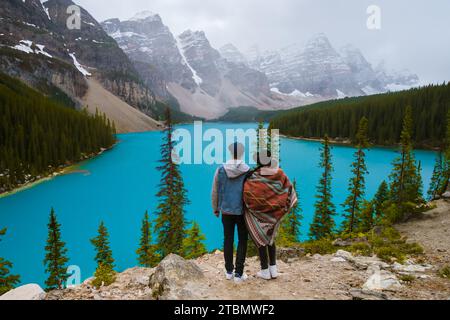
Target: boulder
26, 292
410, 268
344, 254
361, 262
172, 276
289, 254
446, 195
361, 294
338, 259
341, 243
382, 280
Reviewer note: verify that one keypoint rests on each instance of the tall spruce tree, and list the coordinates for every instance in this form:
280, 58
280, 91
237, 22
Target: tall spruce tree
323, 221
193, 246
172, 195
445, 183
437, 179
289, 231
104, 274
380, 200
404, 188
7, 280
103, 254
357, 183
56, 255
146, 252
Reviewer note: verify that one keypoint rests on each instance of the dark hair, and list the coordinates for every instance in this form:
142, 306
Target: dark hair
237, 150
264, 158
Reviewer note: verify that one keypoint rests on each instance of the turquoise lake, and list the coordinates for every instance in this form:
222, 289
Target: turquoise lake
120, 185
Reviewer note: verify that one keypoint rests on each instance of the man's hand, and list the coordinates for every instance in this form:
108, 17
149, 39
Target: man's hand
217, 213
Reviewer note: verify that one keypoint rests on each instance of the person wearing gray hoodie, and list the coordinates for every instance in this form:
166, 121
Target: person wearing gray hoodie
227, 200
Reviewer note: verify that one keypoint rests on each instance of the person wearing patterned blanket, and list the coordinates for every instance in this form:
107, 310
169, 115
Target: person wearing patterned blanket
268, 197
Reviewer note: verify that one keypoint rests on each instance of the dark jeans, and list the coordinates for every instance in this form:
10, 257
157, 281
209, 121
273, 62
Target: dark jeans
272, 258
229, 224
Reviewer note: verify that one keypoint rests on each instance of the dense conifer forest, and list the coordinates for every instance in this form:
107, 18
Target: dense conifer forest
38, 134
340, 118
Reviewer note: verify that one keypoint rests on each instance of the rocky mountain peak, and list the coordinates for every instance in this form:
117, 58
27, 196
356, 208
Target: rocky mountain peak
145, 15
318, 68
154, 51
202, 59
232, 54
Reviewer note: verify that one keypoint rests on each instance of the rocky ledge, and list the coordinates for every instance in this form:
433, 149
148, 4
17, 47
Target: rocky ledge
341, 276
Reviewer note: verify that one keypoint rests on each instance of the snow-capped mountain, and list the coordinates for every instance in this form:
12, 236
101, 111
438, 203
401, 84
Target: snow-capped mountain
187, 68
154, 51
361, 69
232, 54
318, 69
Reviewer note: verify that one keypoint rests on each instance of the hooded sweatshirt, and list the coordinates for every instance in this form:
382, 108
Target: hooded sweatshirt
227, 187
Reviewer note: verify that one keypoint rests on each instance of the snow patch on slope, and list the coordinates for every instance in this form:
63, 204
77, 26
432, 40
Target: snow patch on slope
195, 76
45, 9
80, 68
295, 93
26, 46
340, 94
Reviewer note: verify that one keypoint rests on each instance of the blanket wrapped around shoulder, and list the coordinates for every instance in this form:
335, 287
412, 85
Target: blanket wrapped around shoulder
267, 199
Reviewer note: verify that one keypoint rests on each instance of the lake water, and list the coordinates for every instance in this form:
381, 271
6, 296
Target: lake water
120, 185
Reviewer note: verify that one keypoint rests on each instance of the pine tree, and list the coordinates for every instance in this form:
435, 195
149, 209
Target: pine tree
323, 221
446, 169
357, 183
380, 200
170, 222
289, 231
103, 255
366, 216
193, 246
7, 281
404, 188
437, 178
104, 275
418, 183
56, 255
147, 256
39, 134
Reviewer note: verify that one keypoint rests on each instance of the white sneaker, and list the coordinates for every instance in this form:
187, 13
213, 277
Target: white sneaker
273, 272
240, 279
264, 274
229, 276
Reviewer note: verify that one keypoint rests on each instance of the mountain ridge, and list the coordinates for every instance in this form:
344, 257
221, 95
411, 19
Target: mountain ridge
191, 71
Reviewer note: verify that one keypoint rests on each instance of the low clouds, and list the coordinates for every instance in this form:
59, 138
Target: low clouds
412, 35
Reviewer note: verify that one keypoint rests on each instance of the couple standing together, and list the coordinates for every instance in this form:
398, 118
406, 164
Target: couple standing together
255, 201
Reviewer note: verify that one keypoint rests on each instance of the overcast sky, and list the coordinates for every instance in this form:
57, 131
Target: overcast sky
414, 34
